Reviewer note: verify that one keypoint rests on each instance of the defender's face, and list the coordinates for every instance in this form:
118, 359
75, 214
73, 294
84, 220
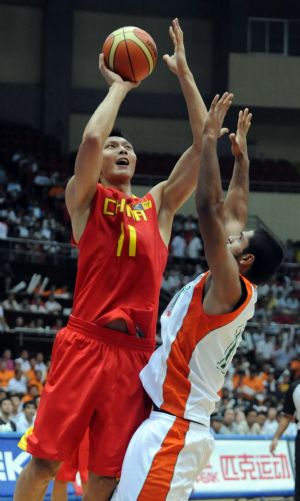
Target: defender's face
119, 160
238, 243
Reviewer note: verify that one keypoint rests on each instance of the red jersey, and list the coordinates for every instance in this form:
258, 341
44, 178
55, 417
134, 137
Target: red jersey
121, 261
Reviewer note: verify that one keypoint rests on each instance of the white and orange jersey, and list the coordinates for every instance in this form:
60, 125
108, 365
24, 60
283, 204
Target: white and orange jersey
184, 375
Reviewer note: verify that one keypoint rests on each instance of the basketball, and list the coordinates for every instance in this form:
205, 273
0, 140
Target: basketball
130, 52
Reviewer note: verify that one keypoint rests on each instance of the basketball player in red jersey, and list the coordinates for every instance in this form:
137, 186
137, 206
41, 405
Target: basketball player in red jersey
122, 241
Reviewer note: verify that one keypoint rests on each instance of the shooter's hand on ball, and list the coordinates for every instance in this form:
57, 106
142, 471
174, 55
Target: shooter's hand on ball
177, 63
110, 77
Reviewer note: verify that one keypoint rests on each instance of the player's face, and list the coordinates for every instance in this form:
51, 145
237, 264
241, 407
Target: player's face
119, 160
237, 243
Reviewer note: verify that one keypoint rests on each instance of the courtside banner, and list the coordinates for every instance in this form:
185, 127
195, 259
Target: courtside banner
12, 461
244, 467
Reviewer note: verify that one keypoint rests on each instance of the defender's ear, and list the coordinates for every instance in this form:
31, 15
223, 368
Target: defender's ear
246, 259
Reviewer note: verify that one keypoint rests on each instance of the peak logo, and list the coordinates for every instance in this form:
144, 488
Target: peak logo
11, 466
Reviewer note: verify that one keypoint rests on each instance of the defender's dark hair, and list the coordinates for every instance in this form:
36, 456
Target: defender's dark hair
268, 253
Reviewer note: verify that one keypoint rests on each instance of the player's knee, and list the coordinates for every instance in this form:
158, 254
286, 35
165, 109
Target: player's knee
43, 469
103, 486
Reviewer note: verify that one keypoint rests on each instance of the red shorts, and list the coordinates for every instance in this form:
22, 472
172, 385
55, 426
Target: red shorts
93, 383
78, 463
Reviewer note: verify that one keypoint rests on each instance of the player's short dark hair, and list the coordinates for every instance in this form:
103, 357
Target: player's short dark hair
268, 253
116, 132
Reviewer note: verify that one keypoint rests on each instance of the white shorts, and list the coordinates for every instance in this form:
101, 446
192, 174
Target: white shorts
163, 459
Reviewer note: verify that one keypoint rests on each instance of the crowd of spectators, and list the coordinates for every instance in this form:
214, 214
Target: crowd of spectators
21, 383
35, 308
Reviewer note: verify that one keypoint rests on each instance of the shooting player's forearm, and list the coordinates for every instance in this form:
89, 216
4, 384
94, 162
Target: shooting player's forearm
197, 111
103, 119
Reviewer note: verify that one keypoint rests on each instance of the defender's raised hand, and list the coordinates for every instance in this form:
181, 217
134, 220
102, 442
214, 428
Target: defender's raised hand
177, 62
239, 139
217, 112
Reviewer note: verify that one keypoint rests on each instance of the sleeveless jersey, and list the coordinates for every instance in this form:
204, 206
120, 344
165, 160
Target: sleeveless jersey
120, 264
185, 373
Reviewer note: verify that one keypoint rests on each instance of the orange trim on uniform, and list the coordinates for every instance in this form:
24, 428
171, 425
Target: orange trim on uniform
158, 481
195, 326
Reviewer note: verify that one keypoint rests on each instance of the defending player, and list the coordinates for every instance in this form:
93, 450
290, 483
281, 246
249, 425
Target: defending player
201, 329
110, 336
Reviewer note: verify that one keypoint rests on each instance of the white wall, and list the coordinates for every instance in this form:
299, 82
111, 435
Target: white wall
271, 80
146, 134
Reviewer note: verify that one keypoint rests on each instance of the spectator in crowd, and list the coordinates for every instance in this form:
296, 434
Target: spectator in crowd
194, 247
270, 383
216, 422
24, 361
38, 305
40, 364
33, 393
30, 374
6, 423
261, 418
5, 374
229, 426
16, 406
178, 245
10, 303
271, 423
38, 380
264, 349
7, 356
18, 383
249, 425
171, 281
281, 356
252, 384
53, 306
26, 417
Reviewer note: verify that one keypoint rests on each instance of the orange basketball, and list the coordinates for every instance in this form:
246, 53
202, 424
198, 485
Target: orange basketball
130, 52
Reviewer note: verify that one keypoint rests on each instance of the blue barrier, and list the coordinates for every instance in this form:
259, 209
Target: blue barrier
12, 461
240, 466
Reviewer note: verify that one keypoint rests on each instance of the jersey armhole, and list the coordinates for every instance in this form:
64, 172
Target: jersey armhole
93, 204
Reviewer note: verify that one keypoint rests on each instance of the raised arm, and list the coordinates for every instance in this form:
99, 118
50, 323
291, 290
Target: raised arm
225, 289
171, 194
236, 201
82, 186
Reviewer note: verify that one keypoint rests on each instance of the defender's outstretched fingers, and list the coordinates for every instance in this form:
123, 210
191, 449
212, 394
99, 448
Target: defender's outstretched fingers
214, 101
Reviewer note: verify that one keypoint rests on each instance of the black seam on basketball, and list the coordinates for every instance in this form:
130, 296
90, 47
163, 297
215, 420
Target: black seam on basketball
128, 56
144, 53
